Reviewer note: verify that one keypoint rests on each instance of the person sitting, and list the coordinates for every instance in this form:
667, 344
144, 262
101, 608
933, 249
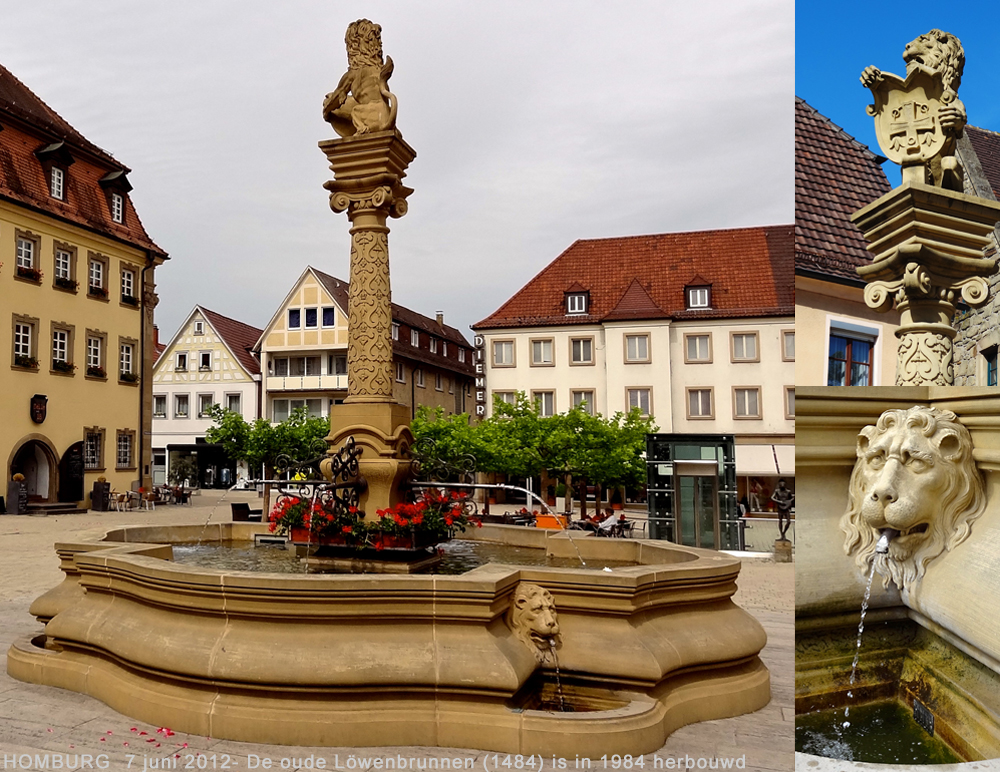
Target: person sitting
608, 524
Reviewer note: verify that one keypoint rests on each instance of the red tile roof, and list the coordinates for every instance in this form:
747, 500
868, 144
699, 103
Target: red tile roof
28, 125
240, 337
644, 277
987, 147
835, 175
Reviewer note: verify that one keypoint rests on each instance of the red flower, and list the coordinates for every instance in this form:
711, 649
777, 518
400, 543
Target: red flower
379, 545
353, 510
346, 529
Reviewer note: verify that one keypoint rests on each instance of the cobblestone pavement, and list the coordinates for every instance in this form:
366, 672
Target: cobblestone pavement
38, 720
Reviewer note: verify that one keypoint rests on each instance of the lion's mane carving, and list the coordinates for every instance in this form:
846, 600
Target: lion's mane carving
915, 475
939, 52
532, 618
362, 102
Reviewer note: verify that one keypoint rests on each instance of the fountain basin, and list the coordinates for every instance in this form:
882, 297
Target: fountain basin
367, 660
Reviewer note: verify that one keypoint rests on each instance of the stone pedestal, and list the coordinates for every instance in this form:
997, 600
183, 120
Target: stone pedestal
782, 551
927, 246
368, 171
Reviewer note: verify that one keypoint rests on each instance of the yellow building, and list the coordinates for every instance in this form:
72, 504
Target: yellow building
76, 283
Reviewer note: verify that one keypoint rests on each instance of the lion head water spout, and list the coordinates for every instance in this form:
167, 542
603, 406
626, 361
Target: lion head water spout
882, 548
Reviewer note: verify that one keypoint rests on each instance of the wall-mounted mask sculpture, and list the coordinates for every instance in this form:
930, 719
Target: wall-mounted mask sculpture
916, 481
532, 618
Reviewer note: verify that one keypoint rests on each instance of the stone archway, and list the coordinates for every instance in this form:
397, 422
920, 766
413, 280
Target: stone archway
36, 460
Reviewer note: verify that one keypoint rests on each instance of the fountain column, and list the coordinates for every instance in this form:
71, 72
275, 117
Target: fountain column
369, 161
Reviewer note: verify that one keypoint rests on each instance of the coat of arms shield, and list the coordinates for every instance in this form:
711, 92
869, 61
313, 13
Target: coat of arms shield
39, 405
906, 114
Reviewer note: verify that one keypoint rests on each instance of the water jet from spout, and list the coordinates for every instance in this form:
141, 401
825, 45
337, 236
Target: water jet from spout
882, 548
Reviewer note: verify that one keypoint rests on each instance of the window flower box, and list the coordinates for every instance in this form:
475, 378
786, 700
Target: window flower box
97, 292
22, 361
96, 372
130, 300
31, 274
128, 377
66, 284
61, 366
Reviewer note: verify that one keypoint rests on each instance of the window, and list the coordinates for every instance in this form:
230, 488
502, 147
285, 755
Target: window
451, 386
418, 377
400, 373
128, 287
234, 403
850, 362
744, 347
25, 342
92, 450
311, 318
639, 398
503, 353
414, 337
205, 402
57, 179
26, 266
395, 331
205, 360
507, 397
438, 383
159, 406
337, 364
181, 406
63, 273
788, 345
699, 403
182, 362
789, 402
279, 365
541, 353
461, 355
60, 350
123, 458
281, 409
312, 366
125, 358
636, 348
329, 317
545, 402
697, 348
433, 345
199, 328
576, 303
581, 351
444, 348
95, 356
117, 207
294, 318
583, 399
746, 402
95, 276
699, 297
990, 355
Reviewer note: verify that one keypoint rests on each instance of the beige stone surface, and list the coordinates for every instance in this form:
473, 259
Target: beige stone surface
30, 567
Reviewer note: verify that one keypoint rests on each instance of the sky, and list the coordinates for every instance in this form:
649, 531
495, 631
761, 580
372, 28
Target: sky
834, 42
535, 124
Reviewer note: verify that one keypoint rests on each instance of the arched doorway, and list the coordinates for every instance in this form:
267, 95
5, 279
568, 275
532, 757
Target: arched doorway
34, 459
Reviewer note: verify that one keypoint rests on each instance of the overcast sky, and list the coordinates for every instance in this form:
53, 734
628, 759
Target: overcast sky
535, 123
833, 47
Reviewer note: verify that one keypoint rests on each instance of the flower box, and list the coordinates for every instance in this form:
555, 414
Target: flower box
31, 274
128, 377
96, 372
97, 292
130, 300
66, 284
60, 366
22, 361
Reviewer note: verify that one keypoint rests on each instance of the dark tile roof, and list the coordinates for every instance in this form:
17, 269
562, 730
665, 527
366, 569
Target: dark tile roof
28, 125
339, 291
241, 338
987, 147
835, 175
644, 277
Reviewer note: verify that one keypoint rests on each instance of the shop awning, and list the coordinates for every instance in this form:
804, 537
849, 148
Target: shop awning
765, 460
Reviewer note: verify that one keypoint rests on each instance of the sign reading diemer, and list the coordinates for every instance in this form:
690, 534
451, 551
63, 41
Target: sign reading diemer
480, 344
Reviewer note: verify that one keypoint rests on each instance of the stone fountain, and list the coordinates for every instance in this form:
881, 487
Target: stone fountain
366, 660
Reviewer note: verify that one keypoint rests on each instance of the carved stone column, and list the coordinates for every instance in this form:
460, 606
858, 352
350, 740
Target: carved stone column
927, 245
368, 171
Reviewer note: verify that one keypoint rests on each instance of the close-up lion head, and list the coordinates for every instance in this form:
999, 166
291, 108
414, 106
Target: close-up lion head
915, 480
940, 52
532, 617
364, 44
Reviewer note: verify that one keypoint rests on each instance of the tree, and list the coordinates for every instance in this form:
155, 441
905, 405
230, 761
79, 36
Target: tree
183, 468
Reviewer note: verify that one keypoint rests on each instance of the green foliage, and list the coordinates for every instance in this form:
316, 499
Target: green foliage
184, 468
300, 437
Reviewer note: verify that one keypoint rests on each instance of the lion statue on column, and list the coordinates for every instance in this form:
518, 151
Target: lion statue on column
362, 102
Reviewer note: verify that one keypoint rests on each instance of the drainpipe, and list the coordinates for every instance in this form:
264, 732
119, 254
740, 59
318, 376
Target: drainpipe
141, 456
413, 393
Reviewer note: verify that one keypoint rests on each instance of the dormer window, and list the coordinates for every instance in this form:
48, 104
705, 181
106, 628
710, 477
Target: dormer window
576, 303
116, 186
57, 183
55, 160
117, 207
699, 297
199, 328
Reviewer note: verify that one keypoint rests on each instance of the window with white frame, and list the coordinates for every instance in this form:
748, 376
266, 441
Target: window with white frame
204, 360
312, 318
576, 303
636, 348
234, 403
461, 354
851, 359
639, 398
414, 337
181, 362
329, 316
123, 458
746, 402
418, 377
128, 284
23, 333
788, 345
96, 273
337, 364
159, 406
64, 265
585, 399
438, 383
545, 402
400, 373
395, 331
744, 347
507, 397
699, 297
281, 409
60, 348
789, 402
57, 183
581, 351
697, 348
25, 253
444, 348
699, 403
117, 207
503, 353
294, 318
541, 352
199, 328
92, 450
205, 402
95, 354
433, 344
125, 359
181, 406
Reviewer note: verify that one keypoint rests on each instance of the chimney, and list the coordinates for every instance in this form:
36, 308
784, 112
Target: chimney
440, 317
156, 338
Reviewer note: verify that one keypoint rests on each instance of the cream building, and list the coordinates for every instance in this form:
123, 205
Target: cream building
694, 329
303, 354
77, 289
209, 361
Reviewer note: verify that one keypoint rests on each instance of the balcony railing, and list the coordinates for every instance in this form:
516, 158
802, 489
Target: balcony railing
305, 382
